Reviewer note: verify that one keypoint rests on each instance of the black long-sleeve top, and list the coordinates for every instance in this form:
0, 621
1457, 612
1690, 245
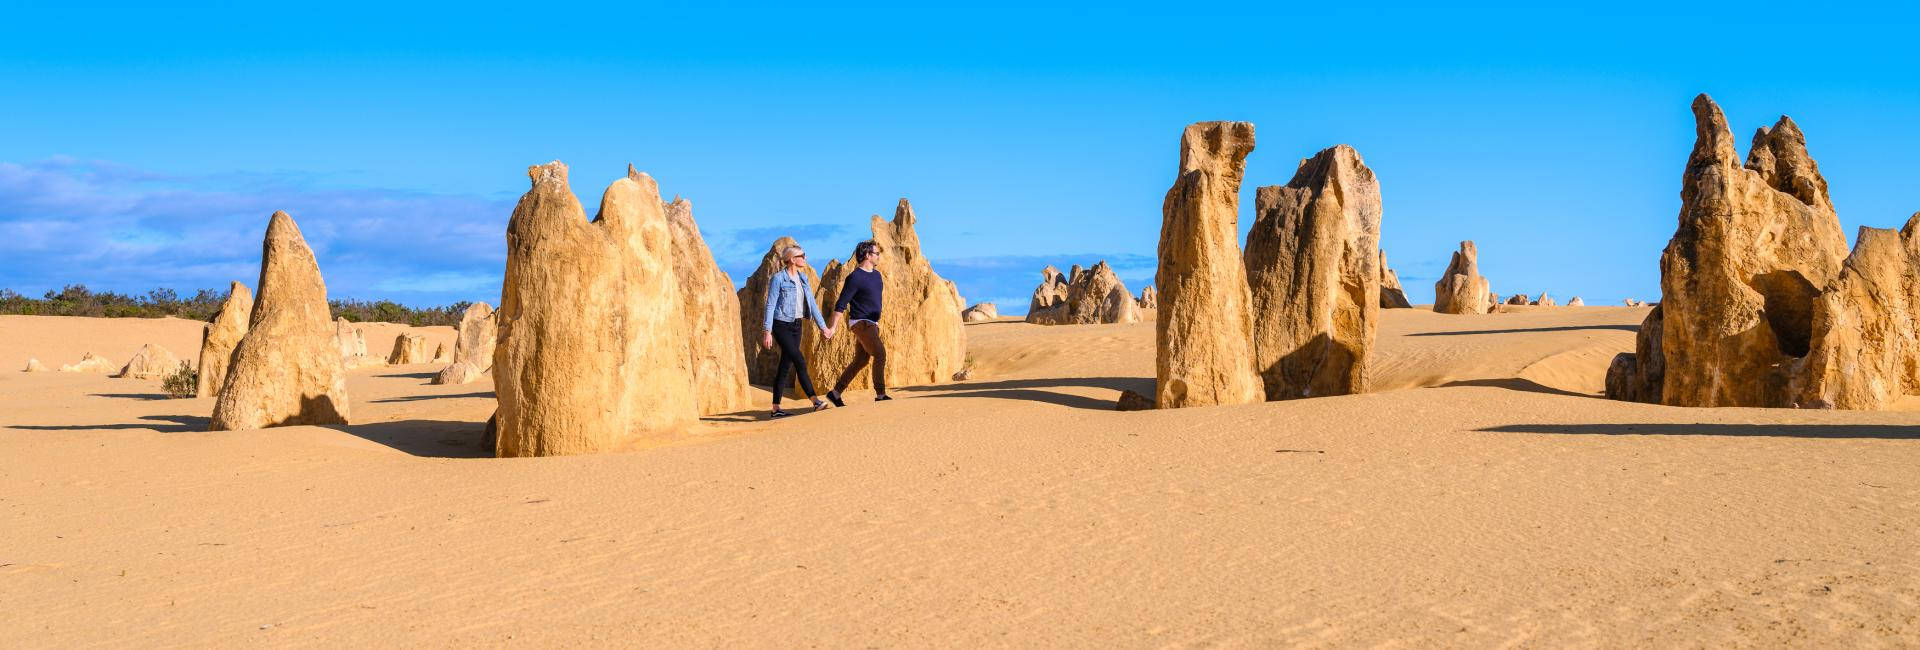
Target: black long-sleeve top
860, 296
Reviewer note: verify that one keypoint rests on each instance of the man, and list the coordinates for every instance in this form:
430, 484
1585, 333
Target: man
860, 300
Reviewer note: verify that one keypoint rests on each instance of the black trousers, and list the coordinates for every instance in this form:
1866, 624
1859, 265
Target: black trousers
786, 334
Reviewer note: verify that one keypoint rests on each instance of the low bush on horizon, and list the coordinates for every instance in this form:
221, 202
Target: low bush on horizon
78, 300
183, 382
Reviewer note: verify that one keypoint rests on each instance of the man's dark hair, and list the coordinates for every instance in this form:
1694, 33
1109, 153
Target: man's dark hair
862, 249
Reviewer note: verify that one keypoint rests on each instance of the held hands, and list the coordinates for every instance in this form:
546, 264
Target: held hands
828, 332
766, 340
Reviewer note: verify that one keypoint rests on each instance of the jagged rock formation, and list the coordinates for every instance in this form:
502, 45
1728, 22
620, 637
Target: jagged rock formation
1630, 302
152, 361
1543, 301
220, 337
715, 349
1094, 296
34, 365
920, 322
1640, 375
1576, 302
1203, 339
286, 370
1519, 299
761, 362
1049, 299
409, 348
1073, 274
89, 362
591, 353
1149, 299
980, 313
1461, 289
1864, 352
1392, 295
472, 347
1312, 266
440, 353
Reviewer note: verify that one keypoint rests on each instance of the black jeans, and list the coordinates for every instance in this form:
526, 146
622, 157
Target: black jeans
786, 334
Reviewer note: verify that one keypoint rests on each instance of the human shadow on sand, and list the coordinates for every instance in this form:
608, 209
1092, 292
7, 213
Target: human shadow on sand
416, 398
429, 438
1033, 390
410, 375
146, 397
1523, 330
1822, 431
180, 424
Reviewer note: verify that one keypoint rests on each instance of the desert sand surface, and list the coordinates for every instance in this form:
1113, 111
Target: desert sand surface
1481, 495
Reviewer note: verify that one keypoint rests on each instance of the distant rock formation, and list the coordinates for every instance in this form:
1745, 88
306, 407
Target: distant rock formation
1149, 299
1519, 299
920, 322
34, 365
1049, 300
1094, 296
219, 337
1543, 301
1392, 295
286, 370
472, 347
1311, 261
409, 348
90, 362
761, 362
1461, 289
1576, 302
591, 353
152, 361
980, 313
440, 353
1630, 302
1204, 338
1073, 274
353, 346
715, 350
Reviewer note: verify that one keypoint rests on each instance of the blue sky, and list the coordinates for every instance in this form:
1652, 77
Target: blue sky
144, 146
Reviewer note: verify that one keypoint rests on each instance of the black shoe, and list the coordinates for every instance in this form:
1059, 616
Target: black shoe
821, 406
777, 413
883, 398
834, 396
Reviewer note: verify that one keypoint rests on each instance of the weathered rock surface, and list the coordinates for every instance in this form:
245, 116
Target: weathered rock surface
34, 365
472, 347
1543, 301
220, 337
286, 370
1204, 337
591, 354
409, 348
920, 322
1095, 296
1049, 303
715, 349
440, 354
761, 362
980, 313
1132, 401
1742, 276
1149, 299
1519, 299
1312, 266
90, 362
1576, 302
1630, 302
152, 361
1392, 295
1461, 289
1638, 376
353, 346
1864, 352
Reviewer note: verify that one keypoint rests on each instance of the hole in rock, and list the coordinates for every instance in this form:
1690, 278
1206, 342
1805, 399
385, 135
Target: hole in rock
1789, 304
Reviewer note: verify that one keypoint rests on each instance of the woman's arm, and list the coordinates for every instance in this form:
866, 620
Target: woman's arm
773, 297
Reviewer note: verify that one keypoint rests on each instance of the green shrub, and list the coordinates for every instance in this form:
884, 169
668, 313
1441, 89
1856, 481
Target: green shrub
183, 382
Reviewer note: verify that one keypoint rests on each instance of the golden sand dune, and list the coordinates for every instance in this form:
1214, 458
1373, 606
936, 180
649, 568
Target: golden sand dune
1483, 495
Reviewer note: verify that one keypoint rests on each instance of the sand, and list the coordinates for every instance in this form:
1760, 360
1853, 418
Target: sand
1483, 495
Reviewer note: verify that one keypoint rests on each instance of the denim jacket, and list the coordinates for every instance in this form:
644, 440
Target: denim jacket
780, 303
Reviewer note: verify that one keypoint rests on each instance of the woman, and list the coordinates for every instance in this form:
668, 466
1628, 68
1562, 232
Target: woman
860, 300
789, 300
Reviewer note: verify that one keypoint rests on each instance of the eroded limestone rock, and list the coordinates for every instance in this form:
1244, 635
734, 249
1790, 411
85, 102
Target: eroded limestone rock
152, 361
90, 362
980, 313
409, 348
472, 347
220, 337
715, 348
1392, 295
286, 370
1461, 289
920, 322
1203, 335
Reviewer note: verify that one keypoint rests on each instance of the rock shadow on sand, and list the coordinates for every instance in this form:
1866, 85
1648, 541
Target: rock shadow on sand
179, 424
426, 438
485, 394
1817, 431
1033, 390
1522, 385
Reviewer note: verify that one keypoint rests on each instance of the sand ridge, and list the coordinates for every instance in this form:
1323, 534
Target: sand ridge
1484, 495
